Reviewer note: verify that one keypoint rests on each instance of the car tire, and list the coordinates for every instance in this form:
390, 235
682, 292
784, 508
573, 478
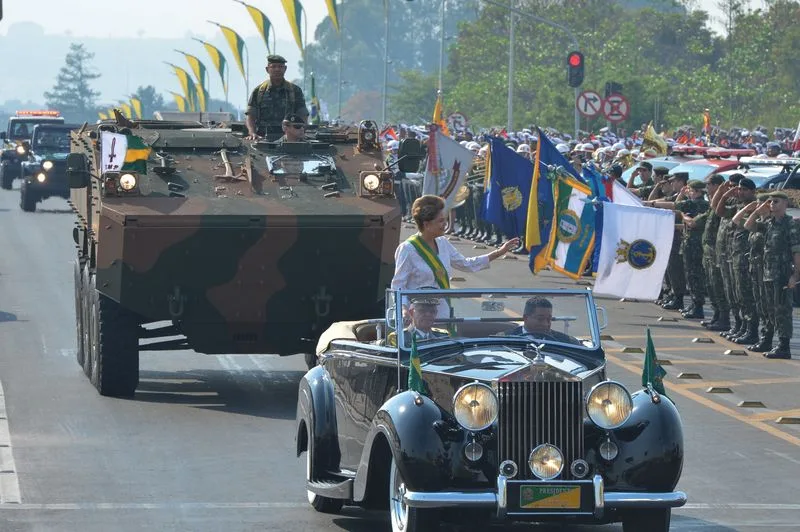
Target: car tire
27, 199
114, 345
655, 520
401, 517
311, 360
78, 274
324, 505
6, 180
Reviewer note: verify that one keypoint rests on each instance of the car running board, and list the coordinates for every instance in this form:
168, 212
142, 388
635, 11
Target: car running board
332, 488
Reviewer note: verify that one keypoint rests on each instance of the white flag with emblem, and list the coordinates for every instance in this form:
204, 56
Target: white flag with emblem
114, 148
634, 252
448, 165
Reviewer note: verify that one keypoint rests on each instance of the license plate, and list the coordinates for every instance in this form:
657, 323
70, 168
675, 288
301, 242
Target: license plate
550, 497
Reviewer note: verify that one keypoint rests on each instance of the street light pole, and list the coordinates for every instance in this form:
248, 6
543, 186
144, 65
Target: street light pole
341, 39
441, 49
566, 30
510, 126
385, 58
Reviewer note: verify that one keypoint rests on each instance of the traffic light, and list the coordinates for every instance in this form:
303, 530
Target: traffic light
575, 69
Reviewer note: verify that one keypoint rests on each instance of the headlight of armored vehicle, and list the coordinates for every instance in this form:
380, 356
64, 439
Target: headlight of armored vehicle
47, 165
609, 405
127, 182
21, 150
41, 177
475, 406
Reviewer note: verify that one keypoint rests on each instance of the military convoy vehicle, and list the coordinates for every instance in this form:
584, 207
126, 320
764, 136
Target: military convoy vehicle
193, 238
44, 173
15, 142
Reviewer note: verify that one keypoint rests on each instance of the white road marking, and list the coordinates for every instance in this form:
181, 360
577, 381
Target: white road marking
157, 506
9, 481
782, 455
68, 352
44, 345
739, 506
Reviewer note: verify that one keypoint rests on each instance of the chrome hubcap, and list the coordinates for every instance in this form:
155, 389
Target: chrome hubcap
398, 508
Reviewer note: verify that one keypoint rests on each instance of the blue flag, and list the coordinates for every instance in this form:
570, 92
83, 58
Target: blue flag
506, 200
598, 185
550, 163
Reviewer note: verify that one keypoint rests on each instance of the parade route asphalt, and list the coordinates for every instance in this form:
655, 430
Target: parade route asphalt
207, 443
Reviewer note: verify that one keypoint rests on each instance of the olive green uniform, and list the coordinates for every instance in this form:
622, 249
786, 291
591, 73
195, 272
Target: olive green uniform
714, 286
692, 248
781, 241
756, 241
269, 104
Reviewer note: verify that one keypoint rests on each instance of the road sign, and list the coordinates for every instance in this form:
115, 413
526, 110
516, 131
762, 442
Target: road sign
589, 103
616, 108
457, 122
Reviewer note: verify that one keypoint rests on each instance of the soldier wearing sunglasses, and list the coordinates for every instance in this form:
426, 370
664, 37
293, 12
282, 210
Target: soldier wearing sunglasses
294, 129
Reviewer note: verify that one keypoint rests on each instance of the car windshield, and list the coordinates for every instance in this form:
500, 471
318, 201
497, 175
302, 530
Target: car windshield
555, 316
51, 139
696, 171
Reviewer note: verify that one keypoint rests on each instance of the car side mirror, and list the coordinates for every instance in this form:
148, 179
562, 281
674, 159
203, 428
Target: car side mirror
2, 135
77, 171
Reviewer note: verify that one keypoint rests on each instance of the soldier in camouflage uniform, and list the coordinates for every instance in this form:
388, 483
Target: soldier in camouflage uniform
691, 210
726, 209
740, 266
756, 241
781, 267
676, 277
273, 100
713, 278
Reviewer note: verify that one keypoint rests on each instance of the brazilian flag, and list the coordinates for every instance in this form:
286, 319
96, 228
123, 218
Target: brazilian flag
415, 382
652, 373
136, 155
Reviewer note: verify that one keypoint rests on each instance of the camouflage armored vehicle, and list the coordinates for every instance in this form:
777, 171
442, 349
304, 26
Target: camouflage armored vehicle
15, 142
233, 246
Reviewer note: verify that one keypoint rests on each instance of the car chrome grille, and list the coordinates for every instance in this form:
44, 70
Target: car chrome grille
533, 413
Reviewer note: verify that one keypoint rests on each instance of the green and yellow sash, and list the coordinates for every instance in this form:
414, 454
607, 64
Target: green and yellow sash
432, 260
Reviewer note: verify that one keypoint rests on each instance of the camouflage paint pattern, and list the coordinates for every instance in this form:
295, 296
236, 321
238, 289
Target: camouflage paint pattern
247, 262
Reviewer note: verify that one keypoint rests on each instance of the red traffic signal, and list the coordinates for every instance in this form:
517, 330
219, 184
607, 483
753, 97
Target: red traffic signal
575, 69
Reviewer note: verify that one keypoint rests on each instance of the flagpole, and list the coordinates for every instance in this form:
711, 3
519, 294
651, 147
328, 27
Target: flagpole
385, 58
441, 48
511, 71
305, 44
246, 79
341, 41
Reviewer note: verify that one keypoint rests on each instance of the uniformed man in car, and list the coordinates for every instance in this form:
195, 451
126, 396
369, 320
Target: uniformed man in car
422, 314
537, 321
274, 99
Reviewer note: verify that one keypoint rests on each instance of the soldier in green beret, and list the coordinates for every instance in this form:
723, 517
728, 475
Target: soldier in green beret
756, 268
691, 210
274, 99
781, 267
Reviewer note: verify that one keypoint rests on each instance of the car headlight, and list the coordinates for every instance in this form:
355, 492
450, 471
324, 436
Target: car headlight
546, 461
41, 177
475, 406
47, 165
609, 405
127, 182
21, 150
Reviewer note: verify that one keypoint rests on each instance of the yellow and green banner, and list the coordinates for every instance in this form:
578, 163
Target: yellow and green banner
188, 86
180, 101
415, 381
262, 23
136, 105
126, 110
219, 62
102, 115
136, 155
334, 14
294, 12
237, 45
313, 116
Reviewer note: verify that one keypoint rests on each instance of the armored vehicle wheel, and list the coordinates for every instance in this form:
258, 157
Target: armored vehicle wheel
402, 517
27, 199
311, 360
322, 504
655, 520
113, 344
78, 273
5, 178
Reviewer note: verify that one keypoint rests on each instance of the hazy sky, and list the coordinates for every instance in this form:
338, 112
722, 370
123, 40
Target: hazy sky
151, 18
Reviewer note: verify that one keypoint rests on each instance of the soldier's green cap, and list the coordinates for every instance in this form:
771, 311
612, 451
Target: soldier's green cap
274, 58
778, 194
696, 184
681, 176
661, 170
762, 197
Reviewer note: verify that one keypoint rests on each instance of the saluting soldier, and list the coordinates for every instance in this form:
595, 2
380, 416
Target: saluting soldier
274, 99
740, 266
781, 267
756, 240
726, 209
720, 321
691, 210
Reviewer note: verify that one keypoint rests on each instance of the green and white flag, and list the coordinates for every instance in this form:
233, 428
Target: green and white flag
124, 153
572, 234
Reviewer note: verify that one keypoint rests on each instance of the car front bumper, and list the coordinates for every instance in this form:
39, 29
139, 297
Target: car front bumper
498, 500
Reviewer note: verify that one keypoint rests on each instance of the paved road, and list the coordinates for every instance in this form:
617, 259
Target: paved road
207, 442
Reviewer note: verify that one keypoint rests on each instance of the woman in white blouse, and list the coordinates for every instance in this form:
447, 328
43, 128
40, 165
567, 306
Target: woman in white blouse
427, 258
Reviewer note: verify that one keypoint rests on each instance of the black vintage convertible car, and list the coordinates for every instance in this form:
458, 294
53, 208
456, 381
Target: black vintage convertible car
514, 417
